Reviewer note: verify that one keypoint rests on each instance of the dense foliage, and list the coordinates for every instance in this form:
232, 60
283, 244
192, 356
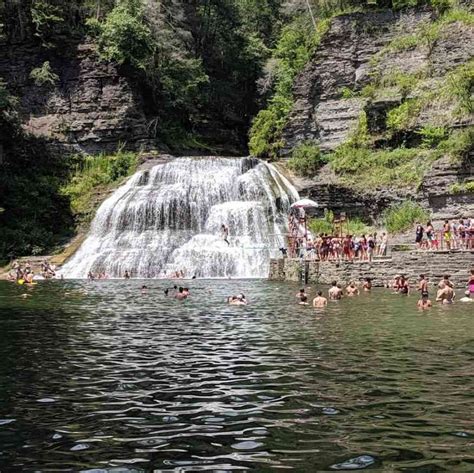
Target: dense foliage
198, 62
35, 216
326, 225
95, 175
402, 216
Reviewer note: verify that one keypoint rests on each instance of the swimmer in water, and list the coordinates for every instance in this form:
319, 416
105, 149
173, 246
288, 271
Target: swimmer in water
424, 302
319, 301
335, 293
144, 289
352, 290
403, 287
180, 296
303, 300
174, 289
423, 285
445, 282
302, 293
445, 294
367, 285
467, 297
237, 300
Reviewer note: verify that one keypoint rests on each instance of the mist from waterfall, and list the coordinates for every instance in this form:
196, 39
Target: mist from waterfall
169, 218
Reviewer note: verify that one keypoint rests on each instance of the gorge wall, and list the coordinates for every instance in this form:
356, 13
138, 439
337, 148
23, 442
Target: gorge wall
94, 107
333, 90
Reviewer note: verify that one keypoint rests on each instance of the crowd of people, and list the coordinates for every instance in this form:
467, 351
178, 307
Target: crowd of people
23, 273
341, 248
445, 291
454, 235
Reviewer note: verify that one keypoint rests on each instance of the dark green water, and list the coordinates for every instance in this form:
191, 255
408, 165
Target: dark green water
97, 377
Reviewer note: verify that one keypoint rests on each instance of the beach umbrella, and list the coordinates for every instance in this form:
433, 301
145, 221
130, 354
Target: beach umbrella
305, 203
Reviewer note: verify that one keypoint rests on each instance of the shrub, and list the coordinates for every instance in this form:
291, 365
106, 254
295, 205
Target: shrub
95, 172
45, 18
401, 217
306, 159
348, 93
431, 136
458, 144
404, 82
265, 134
44, 75
352, 226
461, 188
460, 84
318, 226
403, 117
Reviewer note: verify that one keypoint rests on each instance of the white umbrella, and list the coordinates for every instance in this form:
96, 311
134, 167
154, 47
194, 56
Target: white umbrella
305, 203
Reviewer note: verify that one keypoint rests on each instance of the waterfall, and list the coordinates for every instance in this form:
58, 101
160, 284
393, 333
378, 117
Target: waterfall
169, 218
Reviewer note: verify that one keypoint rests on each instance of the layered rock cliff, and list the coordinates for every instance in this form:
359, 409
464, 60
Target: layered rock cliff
354, 71
92, 108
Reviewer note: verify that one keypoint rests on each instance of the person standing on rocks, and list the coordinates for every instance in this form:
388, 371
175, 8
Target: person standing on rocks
225, 233
419, 235
383, 245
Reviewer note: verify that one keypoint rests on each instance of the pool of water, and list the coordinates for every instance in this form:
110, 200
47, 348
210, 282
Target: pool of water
98, 377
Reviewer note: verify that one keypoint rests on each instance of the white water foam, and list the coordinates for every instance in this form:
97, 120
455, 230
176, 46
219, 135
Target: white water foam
168, 218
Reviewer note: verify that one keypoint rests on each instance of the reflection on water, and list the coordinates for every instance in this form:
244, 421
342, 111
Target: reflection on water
97, 376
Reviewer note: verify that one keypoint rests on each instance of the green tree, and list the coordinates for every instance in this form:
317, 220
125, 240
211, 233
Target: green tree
124, 37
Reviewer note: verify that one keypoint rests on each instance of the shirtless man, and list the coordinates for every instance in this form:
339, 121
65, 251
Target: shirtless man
180, 296
445, 294
319, 301
424, 302
403, 286
445, 282
335, 293
225, 233
352, 290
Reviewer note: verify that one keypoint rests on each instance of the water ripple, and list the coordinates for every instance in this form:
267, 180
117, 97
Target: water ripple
104, 379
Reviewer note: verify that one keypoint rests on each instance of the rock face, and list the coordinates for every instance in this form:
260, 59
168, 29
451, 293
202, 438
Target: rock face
438, 184
92, 108
351, 52
345, 59
342, 60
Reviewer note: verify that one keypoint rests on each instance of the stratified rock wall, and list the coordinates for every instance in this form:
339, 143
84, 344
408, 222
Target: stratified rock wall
348, 56
92, 108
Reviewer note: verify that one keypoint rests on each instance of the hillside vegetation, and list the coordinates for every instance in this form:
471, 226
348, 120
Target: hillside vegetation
426, 114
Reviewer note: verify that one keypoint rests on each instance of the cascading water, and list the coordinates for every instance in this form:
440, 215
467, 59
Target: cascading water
169, 219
